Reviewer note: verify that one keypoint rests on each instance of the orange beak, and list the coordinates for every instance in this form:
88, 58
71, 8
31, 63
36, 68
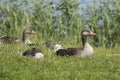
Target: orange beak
33, 32
92, 33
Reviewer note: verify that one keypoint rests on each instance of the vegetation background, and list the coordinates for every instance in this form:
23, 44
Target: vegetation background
61, 21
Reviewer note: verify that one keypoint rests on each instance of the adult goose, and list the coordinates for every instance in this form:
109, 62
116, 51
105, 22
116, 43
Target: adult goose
53, 46
25, 39
85, 51
34, 53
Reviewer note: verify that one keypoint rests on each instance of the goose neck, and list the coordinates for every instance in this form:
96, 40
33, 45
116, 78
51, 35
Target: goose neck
84, 40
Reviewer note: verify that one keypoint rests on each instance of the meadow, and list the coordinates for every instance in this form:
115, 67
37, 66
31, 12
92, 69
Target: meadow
62, 23
104, 65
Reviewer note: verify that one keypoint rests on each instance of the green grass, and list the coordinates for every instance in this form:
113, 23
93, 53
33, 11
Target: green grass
105, 65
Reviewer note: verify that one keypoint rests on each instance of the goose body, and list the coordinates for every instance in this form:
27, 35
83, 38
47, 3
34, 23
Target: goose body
34, 52
85, 51
54, 46
25, 39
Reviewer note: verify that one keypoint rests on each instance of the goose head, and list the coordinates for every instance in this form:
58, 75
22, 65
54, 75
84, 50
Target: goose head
49, 44
29, 31
26, 32
87, 33
84, 35
54, 46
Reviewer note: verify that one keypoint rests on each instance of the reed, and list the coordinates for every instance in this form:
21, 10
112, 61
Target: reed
62, 21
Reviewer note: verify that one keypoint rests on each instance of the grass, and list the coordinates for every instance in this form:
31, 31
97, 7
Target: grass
103, 66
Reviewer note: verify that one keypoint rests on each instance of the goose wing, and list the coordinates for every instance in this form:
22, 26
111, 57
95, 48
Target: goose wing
61, 52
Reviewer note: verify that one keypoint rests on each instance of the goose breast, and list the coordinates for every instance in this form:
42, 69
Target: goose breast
87, 51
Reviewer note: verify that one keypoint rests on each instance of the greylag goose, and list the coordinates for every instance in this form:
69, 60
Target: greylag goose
34, 52
8, 39
53, 46
85, 51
